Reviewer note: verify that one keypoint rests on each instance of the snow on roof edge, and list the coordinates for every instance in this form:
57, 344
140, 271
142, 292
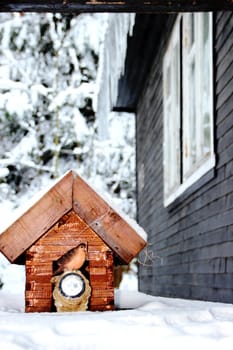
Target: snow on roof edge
133, 223
31, 202
20, 211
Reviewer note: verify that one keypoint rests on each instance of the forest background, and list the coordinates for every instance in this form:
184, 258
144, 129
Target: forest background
55, 110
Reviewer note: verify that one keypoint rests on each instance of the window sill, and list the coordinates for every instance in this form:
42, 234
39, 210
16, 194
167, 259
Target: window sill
192, 179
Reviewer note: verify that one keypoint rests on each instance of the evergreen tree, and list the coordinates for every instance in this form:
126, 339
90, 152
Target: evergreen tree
48, 81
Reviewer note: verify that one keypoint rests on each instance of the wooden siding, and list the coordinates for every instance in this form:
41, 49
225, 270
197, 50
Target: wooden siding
78, 6
65, 235
192, 239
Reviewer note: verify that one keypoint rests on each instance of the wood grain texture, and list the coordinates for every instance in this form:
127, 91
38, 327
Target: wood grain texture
70, 213
105, 221
160, 6
94, 214
40, 259
38, 305
38, 219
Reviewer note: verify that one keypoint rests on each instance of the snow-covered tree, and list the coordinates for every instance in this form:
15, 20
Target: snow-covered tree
52, 71
49, 75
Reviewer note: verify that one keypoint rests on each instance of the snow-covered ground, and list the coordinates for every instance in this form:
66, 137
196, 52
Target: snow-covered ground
144, 322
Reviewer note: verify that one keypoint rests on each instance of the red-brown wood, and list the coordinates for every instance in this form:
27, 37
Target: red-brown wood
38, 219
69, 192
105, 221
70, 213
41, 256
38, 305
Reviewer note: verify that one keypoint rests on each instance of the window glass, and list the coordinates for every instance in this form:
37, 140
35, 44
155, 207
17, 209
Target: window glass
190, 73
171, 69
192, 29
192, 103
205, 67
197, 93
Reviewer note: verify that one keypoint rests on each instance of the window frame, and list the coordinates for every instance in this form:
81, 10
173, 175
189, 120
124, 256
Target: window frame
171, 97
189, 173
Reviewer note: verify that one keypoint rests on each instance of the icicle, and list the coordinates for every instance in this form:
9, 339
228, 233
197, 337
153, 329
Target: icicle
112, 58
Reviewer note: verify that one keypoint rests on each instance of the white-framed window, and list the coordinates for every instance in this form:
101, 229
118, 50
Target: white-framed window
172, 110
188, 103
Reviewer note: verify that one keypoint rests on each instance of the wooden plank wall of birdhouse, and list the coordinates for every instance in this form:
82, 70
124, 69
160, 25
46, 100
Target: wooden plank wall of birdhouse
65, 235
101, 279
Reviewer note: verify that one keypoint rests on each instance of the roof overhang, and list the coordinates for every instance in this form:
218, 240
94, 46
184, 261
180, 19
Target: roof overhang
140, 6
141, 51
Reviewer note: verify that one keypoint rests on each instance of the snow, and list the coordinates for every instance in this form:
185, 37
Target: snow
111, 66
135, 226
4, 172
141, 321
48, 122
13, 215
16, 214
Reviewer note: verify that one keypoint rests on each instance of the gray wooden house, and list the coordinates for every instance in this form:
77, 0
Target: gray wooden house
179, 81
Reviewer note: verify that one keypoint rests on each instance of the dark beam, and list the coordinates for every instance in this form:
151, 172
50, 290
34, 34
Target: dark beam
140, 6
142, 48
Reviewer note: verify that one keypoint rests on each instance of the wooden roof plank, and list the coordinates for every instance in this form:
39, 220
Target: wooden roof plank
37, 219
72, 192
80, 6
115, 231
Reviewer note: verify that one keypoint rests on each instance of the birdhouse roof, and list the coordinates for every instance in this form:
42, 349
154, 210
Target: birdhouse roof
124, 237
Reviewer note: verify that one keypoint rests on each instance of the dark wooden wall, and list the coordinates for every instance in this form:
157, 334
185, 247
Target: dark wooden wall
79, 6
191, 240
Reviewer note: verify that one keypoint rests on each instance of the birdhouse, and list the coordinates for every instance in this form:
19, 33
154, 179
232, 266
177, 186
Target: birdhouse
68, 240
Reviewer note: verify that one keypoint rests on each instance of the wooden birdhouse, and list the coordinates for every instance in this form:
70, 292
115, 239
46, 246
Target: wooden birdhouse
68, 241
